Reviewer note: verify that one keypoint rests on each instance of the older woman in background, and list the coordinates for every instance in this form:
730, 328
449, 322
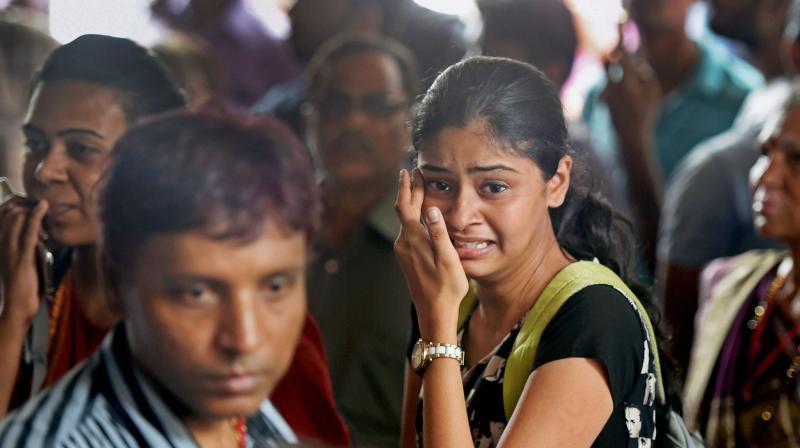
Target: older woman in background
741, 387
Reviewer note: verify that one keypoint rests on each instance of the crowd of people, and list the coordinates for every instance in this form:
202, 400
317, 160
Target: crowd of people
379, 233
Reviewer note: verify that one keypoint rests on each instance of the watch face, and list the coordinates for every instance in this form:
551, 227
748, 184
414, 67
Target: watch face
417, 355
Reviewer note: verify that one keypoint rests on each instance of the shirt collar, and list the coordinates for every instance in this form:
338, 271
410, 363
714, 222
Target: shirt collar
151, 414
383, 218
708, 77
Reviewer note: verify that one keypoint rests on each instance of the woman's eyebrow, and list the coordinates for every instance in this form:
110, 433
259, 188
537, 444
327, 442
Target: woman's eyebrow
472, 169
434, 168
33, 129
497, 167
70, 131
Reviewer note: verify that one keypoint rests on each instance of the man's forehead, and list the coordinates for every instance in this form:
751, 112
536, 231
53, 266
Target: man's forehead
366, 70
789, 124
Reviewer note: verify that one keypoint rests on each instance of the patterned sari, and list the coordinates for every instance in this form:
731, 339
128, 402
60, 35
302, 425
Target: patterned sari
741, 387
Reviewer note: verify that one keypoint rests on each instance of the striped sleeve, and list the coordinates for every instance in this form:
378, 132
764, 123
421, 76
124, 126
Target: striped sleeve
48, 418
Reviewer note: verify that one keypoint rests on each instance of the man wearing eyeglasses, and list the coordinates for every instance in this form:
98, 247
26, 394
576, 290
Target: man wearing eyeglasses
357, 116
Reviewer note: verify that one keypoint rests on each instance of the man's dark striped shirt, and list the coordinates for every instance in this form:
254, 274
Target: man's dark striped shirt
107, 402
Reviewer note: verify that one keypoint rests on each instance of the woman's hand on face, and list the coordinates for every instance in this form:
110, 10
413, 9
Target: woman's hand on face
428, 259
20, 226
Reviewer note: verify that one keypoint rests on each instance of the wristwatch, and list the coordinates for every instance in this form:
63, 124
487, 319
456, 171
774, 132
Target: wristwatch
424, 352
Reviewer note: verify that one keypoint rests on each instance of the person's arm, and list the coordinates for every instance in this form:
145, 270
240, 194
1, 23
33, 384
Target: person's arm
565, 403
644, 191
12, 338
411, 388
444, 410
634, 97
437, 283
19, 232
583, 368
570, 395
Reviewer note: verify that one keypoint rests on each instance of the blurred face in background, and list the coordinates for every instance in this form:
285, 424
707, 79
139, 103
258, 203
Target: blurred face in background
70, 130
659, 15
734, 19
357, 125
776, 178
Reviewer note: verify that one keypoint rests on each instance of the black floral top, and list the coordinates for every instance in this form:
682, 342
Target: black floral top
599, 323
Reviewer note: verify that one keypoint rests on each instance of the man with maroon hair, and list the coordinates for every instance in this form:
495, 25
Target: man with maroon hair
206, 223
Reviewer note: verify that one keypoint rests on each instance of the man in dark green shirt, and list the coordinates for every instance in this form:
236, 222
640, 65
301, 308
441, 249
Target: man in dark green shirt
360, 94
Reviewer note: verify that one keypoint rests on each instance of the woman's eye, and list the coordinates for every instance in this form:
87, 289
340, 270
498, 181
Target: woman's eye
439, 185
495, 187
81, 150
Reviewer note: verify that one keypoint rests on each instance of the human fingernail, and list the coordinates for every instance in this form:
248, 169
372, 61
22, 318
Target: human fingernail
434, 215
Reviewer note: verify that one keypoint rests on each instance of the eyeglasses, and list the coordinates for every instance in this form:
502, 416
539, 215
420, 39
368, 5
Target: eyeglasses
376, 106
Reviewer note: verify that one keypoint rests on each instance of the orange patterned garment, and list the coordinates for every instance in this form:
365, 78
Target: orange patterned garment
72, 336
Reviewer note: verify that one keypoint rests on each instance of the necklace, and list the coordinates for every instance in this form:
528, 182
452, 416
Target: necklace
758, 323
773, 291
761, 309
239, 426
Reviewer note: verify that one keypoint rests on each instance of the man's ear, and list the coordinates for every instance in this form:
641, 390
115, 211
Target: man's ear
110, 282
558, 185
308, 117
408, 127
794, 56
309, 121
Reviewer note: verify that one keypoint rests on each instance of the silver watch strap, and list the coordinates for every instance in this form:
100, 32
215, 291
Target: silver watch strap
438, 350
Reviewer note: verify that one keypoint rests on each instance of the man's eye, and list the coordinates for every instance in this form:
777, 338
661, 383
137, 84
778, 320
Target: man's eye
381, 107
334, 106
278, 284
439, 185
36, 146
192, 293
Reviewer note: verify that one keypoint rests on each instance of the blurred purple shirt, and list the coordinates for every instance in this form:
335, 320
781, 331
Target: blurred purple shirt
251, 59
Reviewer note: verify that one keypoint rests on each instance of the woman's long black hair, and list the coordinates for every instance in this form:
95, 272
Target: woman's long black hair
519, 106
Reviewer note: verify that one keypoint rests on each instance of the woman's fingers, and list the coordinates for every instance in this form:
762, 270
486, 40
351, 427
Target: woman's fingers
417, 189
408, 204
444, 252
403, 204
9, 206
31, 237
403, 190
13, 223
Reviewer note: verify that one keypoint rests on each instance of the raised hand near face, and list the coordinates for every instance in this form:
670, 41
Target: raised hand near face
20, 226
429, 261
632, 93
